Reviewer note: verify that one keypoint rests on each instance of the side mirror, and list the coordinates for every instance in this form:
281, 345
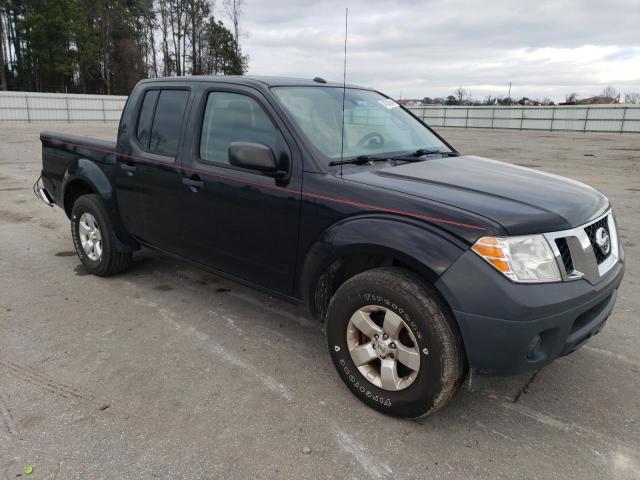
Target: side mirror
253, 156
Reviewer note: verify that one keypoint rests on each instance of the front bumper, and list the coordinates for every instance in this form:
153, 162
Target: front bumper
509, 327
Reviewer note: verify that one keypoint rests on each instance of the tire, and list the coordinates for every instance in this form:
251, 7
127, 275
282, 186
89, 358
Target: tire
106, 260
429, 357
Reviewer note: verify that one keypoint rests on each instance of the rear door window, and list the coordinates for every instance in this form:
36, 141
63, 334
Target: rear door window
146, 117
167, 122
233, 117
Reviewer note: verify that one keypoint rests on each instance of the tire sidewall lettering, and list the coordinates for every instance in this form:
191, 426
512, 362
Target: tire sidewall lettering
355, 384
75, 235
385, 302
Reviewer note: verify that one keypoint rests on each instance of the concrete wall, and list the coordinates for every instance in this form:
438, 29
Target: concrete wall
578, 118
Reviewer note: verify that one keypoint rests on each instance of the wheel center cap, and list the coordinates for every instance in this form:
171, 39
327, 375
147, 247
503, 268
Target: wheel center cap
382, 348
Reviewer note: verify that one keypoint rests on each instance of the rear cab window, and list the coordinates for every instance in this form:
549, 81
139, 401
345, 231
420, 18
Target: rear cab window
160, 121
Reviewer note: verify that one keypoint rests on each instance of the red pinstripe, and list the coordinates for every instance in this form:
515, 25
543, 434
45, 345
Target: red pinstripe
316, 196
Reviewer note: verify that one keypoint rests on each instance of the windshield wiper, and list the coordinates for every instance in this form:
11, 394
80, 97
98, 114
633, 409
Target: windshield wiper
360, 160
421, 152
408, 157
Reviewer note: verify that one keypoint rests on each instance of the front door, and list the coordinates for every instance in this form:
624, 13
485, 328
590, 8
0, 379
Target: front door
239, 221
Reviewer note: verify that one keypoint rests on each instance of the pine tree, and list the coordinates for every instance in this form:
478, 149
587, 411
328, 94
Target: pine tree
107, 46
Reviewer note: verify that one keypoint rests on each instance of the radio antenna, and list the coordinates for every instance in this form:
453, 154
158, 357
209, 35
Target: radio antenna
344, 85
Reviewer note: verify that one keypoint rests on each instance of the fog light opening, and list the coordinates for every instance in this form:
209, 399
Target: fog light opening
534, 350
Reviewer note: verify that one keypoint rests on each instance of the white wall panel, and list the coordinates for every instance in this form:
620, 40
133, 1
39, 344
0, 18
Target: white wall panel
579, 118
60, 107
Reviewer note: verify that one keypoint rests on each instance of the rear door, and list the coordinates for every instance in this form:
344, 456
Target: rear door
236, 220
148, 180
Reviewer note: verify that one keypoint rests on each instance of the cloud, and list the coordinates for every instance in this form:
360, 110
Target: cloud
420, 48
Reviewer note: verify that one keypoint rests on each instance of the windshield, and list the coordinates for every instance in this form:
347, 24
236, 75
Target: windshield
373, 124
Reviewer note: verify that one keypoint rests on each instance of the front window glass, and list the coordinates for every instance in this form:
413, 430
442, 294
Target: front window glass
233, 117
373, 124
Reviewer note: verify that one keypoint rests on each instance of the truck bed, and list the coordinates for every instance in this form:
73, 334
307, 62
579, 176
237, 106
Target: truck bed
63, 152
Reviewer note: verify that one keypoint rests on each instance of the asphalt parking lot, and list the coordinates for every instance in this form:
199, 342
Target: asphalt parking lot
167, 371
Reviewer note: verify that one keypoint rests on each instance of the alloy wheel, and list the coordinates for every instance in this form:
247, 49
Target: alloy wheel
383, 347
90, 236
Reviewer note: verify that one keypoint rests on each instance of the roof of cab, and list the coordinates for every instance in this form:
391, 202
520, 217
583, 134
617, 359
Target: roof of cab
252, 81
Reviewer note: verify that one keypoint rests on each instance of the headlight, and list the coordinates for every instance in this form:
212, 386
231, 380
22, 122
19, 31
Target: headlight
525, 259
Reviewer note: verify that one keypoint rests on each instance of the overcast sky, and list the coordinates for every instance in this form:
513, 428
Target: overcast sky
413, 48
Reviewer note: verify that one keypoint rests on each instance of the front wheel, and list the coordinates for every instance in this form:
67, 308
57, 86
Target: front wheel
93, 238
394, 343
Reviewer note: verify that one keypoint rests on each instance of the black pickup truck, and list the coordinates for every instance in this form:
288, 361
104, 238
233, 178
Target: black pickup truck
422, 262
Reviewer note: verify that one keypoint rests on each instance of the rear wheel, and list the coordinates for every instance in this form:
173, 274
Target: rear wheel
93, 238
394, 343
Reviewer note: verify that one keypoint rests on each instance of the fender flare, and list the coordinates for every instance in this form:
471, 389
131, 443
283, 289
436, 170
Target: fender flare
86, 171
426, 249
82, 169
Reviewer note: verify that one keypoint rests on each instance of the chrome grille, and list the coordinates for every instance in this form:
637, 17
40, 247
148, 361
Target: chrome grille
565, 254
591, 233
578, 254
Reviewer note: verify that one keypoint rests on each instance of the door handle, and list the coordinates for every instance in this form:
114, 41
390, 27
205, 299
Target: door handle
127, 167
194, 183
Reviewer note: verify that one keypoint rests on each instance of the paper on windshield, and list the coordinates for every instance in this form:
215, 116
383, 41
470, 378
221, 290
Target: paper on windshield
388, 103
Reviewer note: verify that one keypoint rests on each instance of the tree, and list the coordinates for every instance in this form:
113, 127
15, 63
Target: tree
451, 100
146, 25
3, 73
632, 97
167, 58
87, 49
48, 30
460, 93
197, 12
12, 11
107, 46
176, 23
220, 51
571, 97
234, 11
609, 92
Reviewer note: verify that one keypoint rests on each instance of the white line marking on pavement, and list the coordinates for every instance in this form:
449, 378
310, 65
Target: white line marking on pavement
607, 353
357, 450
217, 349
500, 434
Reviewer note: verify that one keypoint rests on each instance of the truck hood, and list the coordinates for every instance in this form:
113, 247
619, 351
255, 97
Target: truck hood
520, 199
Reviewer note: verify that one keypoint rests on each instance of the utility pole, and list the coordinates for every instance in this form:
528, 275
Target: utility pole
509, 95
